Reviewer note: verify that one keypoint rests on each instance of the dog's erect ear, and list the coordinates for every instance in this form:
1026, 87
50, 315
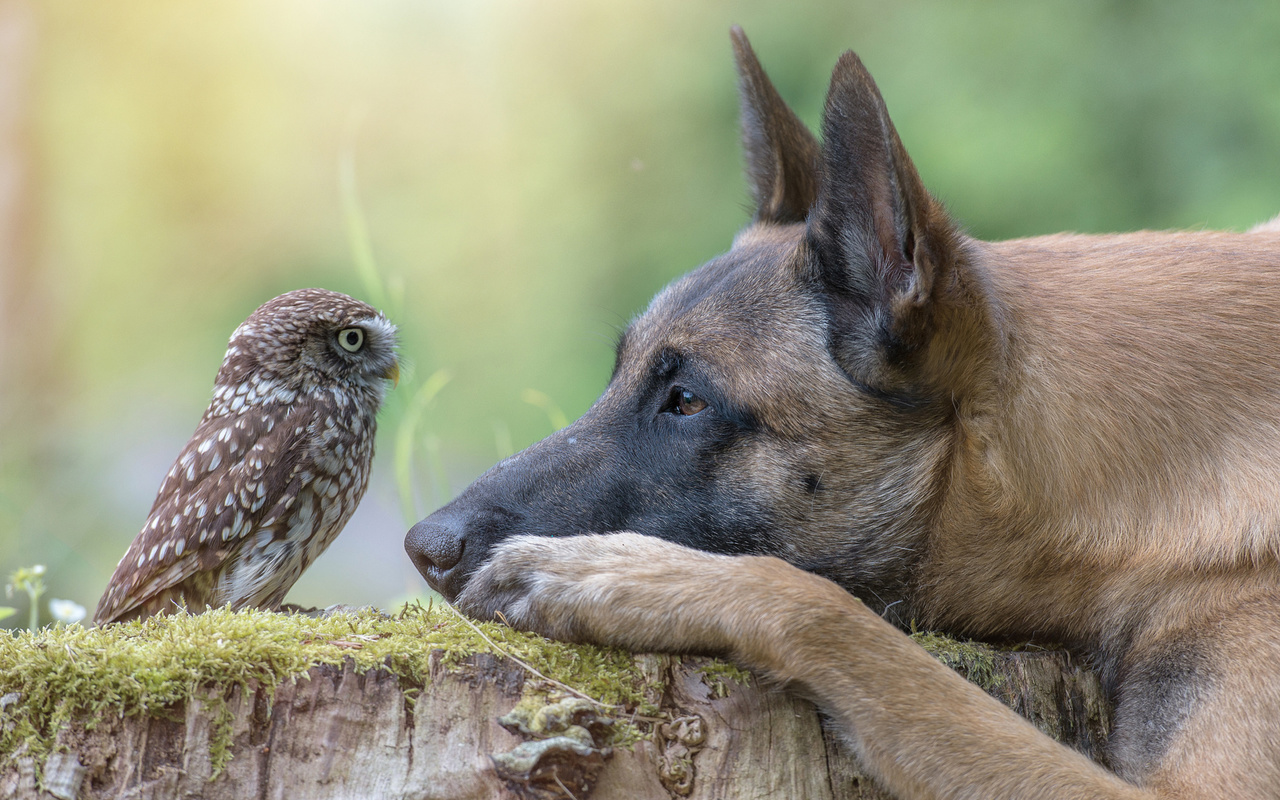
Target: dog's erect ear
881, 245
782, 155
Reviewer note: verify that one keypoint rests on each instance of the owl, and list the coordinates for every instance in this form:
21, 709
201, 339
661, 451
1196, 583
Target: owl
276, 466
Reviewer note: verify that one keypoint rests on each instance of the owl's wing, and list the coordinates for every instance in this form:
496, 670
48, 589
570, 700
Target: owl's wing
235, 470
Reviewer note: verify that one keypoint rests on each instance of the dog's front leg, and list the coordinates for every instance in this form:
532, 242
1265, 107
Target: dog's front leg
918, 726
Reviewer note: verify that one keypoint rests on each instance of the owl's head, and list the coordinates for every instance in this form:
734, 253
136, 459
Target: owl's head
306, 340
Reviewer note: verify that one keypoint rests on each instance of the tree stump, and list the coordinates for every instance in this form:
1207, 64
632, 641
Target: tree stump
484, 726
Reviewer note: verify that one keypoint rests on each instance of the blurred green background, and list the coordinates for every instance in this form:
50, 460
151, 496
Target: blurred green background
529, 173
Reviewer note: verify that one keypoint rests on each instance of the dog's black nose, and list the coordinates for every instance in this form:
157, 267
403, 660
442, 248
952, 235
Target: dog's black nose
435, 545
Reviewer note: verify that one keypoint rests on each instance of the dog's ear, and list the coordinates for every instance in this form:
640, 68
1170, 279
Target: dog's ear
782, 155
882, 248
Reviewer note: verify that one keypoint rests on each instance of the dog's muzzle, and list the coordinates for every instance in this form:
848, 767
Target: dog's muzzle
436, 546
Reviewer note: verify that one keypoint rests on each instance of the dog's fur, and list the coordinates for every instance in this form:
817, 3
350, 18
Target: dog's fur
1068, 439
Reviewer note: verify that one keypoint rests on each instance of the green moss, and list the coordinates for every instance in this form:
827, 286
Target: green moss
720, 676
149, 667
973, 660
220, 735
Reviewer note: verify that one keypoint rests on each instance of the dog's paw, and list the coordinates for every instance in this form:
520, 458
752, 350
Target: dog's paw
621, 589
513, 585
647, 595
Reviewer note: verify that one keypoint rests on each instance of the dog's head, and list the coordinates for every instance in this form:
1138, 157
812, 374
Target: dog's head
792, 397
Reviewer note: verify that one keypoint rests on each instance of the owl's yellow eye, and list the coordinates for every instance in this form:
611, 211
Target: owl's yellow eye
351, 339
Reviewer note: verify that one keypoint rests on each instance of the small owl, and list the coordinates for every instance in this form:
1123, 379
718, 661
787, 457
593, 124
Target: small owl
276, 466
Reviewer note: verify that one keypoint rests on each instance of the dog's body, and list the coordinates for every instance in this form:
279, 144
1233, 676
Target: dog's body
1068, 439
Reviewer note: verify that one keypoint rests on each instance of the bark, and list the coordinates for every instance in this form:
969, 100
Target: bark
345, 735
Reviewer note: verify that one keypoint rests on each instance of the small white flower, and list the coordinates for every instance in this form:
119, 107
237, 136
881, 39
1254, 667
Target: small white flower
67, 611
38, 569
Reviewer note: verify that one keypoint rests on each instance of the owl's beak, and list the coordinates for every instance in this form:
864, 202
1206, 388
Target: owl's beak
393, 373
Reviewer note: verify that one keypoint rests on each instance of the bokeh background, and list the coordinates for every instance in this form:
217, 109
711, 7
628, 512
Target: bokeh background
523, 176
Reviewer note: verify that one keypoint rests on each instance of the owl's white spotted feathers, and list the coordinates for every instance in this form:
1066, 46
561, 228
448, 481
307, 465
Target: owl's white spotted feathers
276, 466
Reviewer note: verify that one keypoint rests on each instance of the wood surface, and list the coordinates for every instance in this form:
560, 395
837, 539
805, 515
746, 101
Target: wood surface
340, 735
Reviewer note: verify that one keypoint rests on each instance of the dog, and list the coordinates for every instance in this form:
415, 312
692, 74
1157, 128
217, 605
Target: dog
859, 416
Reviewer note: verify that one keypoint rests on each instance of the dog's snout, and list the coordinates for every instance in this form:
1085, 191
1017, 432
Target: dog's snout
435, 545
435, 542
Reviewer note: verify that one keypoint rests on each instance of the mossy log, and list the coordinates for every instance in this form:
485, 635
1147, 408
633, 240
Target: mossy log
224, 705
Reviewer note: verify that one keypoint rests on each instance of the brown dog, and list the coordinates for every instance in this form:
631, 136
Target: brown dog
1069, 439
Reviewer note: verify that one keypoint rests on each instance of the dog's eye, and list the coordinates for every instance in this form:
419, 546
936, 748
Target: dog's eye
685, 403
